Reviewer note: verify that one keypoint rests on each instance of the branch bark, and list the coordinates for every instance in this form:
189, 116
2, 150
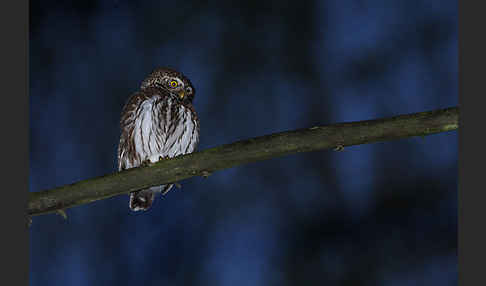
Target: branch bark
335, 136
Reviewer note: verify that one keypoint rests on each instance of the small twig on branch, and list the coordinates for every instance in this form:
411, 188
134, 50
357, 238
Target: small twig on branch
335, 136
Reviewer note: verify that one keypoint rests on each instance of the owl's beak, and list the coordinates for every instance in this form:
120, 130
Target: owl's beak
182, 94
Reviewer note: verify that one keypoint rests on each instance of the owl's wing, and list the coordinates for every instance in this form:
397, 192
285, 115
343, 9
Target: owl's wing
122, 155
126, 148
194, 140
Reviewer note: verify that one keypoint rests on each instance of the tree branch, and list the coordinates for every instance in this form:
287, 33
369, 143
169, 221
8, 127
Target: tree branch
335, 136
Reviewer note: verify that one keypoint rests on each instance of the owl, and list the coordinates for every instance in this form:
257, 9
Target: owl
157, 122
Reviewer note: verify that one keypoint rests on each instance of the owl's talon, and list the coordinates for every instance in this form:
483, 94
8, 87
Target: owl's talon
163, 158
177, 185
29, 221
205, 174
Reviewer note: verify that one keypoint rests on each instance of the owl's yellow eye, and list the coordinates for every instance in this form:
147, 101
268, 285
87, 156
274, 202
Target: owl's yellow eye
173, 83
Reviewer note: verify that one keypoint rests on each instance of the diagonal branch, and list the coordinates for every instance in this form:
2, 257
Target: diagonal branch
335, 136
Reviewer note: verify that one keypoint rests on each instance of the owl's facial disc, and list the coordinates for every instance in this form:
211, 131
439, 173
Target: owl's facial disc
172, 81
176, 86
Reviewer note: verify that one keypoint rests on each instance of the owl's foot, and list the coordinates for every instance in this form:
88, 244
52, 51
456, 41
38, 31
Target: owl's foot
163, 158
146, 163
177, 185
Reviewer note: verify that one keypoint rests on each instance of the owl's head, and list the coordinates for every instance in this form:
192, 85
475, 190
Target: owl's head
171, 80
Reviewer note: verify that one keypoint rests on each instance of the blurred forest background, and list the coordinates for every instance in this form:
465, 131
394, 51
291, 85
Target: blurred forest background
377, 214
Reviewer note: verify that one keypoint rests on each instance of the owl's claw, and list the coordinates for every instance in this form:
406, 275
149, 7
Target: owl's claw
29, 221
177, 185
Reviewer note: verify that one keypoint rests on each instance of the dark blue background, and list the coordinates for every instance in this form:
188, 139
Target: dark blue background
377, 214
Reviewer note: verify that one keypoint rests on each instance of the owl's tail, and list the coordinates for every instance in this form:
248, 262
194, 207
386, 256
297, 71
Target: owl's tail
141, 200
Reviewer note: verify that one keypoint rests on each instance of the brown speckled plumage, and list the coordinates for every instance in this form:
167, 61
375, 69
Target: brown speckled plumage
158, 121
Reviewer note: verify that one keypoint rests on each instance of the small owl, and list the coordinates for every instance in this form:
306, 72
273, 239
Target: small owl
157, 122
